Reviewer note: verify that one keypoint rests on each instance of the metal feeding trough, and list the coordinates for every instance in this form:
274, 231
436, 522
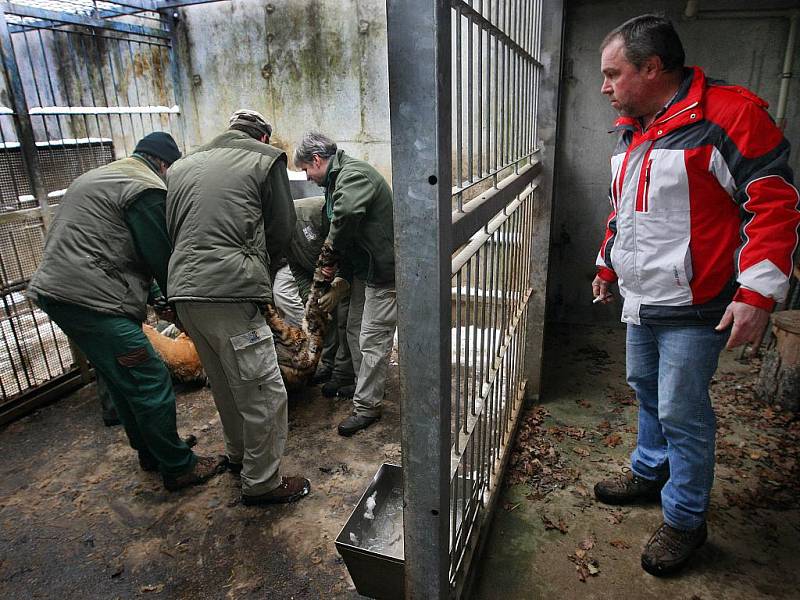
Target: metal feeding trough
371, 542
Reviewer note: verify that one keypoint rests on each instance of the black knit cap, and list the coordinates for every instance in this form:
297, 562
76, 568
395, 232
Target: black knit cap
159, 144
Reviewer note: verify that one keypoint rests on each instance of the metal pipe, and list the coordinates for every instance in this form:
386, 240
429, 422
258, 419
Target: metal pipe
793, 15
25, 133
786, 73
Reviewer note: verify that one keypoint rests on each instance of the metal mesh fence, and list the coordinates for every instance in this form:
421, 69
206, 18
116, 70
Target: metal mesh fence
85, 90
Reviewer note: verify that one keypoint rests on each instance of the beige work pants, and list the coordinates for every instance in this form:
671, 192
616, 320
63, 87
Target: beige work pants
235, 346
287, 297
370, 333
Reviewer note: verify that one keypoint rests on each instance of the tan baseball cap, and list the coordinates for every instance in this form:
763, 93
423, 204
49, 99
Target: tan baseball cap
251, 118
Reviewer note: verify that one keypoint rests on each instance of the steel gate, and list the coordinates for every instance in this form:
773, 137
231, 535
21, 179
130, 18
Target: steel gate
84, 80
464, 81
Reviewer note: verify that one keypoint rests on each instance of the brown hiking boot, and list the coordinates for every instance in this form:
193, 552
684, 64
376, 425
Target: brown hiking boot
669, 549
628, 488
149, 463
291, 489
204, 469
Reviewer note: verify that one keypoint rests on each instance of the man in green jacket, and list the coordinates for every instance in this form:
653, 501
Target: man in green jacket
358, 203
336, 368
229, 213
107, 242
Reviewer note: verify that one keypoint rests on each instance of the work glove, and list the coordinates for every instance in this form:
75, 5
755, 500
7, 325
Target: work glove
339, 289
164, 310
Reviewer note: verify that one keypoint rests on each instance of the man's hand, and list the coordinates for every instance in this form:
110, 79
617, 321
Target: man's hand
164, 310
600, 291
749, 323
339, 288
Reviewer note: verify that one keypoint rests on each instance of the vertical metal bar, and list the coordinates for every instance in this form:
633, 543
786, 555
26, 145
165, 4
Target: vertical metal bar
140, 100
475, 380
90, 85
136, 84
459, 107
419, 38
77, 63
496, 105
103, 86
458, 363
467, 333
19, 104
53, 95
470, 91
116, 95
177, 89
479, 142
9, 167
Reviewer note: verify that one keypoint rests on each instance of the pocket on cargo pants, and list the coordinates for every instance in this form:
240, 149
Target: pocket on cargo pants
251, 351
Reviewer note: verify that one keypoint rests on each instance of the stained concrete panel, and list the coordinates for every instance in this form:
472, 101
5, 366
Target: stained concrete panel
305, 64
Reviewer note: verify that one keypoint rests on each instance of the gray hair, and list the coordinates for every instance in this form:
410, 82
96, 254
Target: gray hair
649, 35
314, 143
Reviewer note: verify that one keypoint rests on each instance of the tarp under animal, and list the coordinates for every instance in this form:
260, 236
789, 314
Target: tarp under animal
298, 349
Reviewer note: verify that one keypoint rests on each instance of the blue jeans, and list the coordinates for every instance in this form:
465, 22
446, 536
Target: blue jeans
670, 368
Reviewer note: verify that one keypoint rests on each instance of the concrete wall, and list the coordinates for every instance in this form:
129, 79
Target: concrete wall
305, 64
745, 52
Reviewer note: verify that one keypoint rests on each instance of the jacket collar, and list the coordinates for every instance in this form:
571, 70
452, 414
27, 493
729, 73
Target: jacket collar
334, 166
685, 108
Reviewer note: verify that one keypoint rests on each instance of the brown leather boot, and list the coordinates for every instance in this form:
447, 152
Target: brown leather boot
204, 469
291, 489
669, 549
628, 488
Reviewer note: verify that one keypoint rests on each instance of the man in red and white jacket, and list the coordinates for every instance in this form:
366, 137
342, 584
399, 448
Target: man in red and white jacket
703, 227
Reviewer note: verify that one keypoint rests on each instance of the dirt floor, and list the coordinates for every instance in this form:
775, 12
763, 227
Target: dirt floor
78, 519
551, 539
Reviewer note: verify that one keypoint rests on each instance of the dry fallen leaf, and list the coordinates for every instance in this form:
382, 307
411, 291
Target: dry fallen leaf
548, 524
581, 451
613, 440
620, 544
587, 544
156, 587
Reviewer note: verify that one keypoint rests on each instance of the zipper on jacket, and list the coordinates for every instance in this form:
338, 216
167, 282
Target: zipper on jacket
642, 190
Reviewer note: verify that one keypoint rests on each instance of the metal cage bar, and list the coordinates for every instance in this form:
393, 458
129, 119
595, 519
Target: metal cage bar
463, 77
55, 128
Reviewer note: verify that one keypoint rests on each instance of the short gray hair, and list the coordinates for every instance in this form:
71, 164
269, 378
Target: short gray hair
314, 143
649, 35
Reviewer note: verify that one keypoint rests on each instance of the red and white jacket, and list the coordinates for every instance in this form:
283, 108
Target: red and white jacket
702, 200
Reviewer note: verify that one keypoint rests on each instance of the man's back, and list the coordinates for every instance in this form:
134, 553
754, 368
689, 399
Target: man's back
215, 215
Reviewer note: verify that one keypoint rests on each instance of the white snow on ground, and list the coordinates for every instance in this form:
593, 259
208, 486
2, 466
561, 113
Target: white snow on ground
104, 110
64, 142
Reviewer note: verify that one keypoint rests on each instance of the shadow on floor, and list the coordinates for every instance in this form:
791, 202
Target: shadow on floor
550, 539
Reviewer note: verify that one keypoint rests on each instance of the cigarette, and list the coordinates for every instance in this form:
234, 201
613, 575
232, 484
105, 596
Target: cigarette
597, 299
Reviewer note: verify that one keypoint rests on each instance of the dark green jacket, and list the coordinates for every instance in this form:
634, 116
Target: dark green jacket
310, 232
228, 211
358, 202
90, 257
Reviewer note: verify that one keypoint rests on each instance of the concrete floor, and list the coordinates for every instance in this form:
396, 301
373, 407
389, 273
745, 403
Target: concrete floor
78, 519
584, 431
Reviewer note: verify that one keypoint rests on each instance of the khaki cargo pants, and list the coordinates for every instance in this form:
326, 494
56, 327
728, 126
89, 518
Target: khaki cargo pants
236, 348
370, 333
